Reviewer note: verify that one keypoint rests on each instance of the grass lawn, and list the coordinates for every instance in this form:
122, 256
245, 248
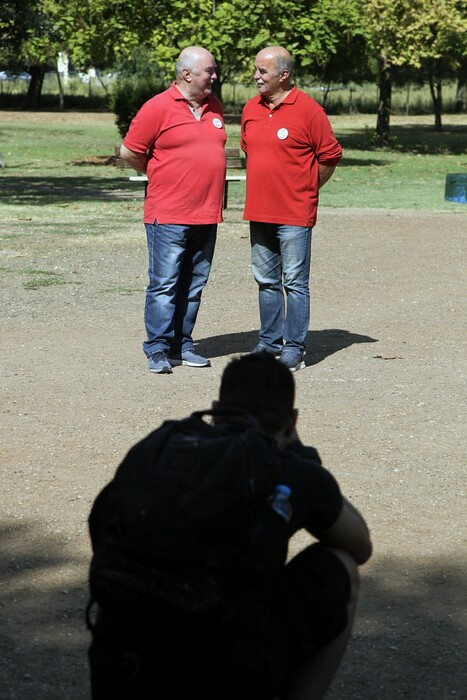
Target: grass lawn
54, 166
411, 175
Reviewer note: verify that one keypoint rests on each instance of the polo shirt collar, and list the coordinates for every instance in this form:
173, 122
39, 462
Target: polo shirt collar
178, 95
290, 99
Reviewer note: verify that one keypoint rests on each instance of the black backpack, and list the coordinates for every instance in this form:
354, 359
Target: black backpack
187, 520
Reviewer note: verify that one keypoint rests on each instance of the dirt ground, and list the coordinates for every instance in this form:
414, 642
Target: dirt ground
382, 398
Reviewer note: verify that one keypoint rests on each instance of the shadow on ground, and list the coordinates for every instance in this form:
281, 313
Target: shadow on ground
408, 617
320, 344
58, 190
410, 138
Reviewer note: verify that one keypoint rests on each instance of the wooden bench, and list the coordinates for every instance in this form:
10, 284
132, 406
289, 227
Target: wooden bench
231, 178
232, 155
233, 159
228, 178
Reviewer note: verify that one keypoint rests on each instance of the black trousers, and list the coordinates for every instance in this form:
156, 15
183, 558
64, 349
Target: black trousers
169, 654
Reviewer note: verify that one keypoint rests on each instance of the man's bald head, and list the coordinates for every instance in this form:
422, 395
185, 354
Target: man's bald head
283, 61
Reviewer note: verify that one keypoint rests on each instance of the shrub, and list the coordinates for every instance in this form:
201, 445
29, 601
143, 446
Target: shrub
139, 78
129, 94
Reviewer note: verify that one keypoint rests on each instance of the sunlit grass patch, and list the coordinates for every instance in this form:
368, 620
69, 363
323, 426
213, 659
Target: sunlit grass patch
43, 278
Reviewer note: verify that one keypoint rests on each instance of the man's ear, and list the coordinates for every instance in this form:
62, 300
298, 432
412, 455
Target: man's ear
214, 405
288, 433
292, 423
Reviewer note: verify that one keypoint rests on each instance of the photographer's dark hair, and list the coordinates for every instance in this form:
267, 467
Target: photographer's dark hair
262, 385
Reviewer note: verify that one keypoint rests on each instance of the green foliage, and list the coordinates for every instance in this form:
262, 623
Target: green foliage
232, 30
328, 39
140, 78
411, 31
129, 94
27, 33
332, 41
42, 182
429, 34
100, 32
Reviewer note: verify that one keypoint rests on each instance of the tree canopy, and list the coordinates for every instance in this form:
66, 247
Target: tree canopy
332, 42
421, 34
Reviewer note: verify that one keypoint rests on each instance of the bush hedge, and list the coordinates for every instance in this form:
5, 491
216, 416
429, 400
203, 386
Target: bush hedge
129, 94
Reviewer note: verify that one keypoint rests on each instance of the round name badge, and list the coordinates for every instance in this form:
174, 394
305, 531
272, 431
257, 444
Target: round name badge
217, 123
282, 134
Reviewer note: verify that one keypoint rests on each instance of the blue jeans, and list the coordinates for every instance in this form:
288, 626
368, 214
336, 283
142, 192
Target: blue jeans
180, 258
281, 259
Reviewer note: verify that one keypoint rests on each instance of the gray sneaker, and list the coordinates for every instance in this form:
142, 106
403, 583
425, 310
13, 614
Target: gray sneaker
159, 363
263, 348
293, 359
190, 358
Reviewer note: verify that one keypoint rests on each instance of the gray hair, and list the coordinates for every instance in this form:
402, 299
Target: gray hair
284, 62
187, 61
189, 58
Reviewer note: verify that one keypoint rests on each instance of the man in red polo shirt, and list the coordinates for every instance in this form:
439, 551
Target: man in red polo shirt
291, 152
177, 138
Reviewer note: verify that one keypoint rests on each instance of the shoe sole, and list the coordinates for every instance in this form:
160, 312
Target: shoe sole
195, 364
187, 363
165, 370
300, 365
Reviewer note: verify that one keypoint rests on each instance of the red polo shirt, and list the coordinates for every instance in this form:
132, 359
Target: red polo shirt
283, 147
186, 167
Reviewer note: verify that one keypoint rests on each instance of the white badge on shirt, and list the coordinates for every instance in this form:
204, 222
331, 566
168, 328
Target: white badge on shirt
282, 134
217, 123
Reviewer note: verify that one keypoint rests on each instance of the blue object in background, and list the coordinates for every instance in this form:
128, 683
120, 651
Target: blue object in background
456, 188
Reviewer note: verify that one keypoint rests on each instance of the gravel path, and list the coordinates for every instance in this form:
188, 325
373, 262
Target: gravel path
382, 398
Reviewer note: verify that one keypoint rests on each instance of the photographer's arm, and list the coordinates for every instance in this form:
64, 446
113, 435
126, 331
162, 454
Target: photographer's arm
349, 533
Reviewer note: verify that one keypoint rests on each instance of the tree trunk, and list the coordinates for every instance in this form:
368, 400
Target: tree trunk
217, 84
33, 98
384, 104
461, 96
461, 93
436, 89
61, 98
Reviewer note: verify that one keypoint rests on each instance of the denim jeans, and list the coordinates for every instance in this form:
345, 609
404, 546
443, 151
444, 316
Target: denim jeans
281, 259
180, 258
